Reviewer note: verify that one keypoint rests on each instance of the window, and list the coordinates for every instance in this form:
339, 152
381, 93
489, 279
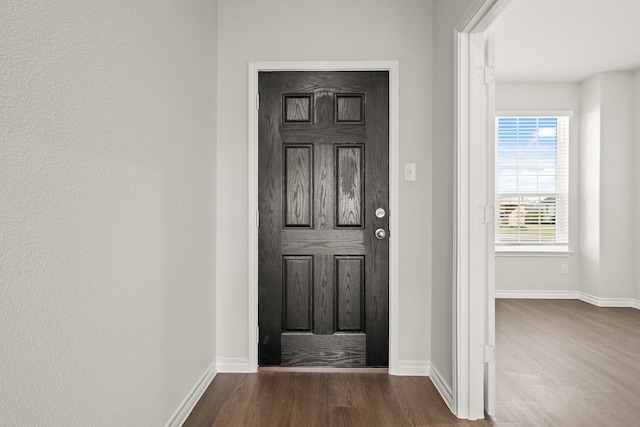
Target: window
532, 180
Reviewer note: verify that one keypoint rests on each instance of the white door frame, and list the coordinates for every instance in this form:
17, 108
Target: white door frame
394, 204
474, 284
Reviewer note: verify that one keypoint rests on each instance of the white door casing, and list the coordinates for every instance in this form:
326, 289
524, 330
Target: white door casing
394, 166
474, 322
490, 328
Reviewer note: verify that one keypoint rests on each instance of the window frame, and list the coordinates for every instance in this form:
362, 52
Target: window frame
563, 149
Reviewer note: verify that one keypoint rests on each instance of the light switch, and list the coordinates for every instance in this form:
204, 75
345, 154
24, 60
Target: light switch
409, 171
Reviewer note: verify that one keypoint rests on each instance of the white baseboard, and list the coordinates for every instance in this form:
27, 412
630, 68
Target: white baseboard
607, 302
180, 415
233, 365
538, 294
414, 368
443, 388
582, 296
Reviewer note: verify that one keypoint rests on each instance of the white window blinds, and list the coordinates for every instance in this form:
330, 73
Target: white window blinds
532, 180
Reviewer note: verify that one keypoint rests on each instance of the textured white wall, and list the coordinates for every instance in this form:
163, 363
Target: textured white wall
446, 14
294, 30
107, 209
544, 274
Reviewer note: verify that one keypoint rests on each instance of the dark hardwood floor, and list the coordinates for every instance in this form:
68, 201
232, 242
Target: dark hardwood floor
320, 399
559, 363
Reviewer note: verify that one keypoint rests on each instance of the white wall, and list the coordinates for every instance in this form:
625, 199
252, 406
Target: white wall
590, 186
107, 207
543, 274
446, 14
617, 219
294, 30
607, 180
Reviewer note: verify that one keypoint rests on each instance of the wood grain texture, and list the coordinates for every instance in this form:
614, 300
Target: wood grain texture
559, 363
324, 134
349, 108
349, 191
297, 108
298, 293
350, 285
567, 363
317, 181
298, 185
323, 200
322, 400
377, 196
348, 242
322, 369
323, 297
343, 350
270, 204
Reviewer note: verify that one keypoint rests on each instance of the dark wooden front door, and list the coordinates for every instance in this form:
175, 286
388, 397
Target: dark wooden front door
323, 193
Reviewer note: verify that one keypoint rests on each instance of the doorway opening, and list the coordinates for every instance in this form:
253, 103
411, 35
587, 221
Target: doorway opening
474, 291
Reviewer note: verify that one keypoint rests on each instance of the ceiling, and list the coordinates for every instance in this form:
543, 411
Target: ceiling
566, 40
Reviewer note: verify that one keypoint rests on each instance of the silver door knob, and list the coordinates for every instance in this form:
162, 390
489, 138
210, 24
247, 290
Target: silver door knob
380, 233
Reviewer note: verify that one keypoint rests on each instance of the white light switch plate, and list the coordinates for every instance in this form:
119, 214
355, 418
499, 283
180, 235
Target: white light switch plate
409, 171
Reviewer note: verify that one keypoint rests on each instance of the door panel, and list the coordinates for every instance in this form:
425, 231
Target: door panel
298, 279
298, 185
323, 171
349, 197
350, 283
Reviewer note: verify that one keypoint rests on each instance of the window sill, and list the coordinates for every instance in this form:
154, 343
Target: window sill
521, 251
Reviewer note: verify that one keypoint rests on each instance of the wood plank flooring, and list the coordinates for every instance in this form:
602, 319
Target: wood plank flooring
321, 399
559, 363
567, 363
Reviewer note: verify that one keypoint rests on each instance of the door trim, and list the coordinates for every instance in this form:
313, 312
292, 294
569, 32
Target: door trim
394, 180
474, 286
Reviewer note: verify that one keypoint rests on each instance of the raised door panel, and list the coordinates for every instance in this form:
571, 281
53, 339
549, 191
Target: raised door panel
297, 108
298, 185
350, 284
349, 191
349, 108
298, 293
